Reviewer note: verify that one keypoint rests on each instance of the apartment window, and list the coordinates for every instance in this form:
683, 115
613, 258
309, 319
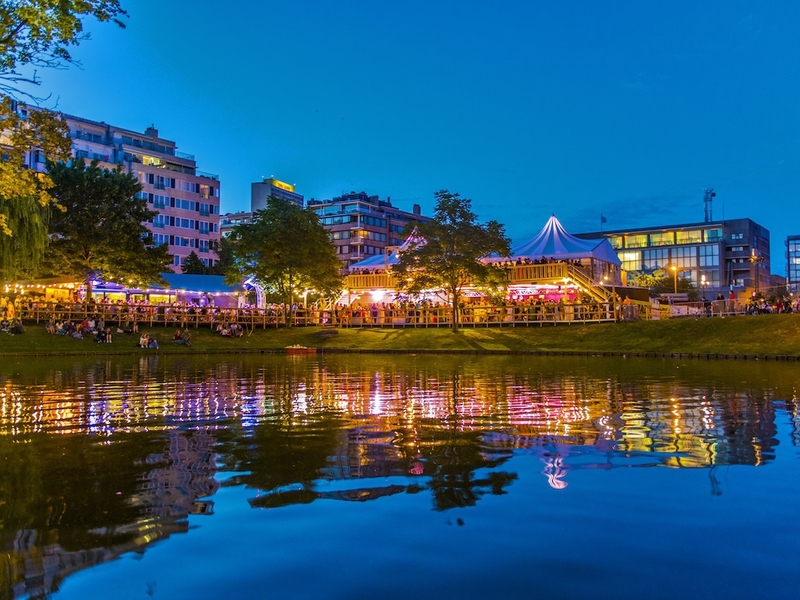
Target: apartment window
338, 220
685, 257
709, 256
737, 236
631, 261
374, 221
665, 238
636, 241
372, 235
689, 236
655, 259
713, 235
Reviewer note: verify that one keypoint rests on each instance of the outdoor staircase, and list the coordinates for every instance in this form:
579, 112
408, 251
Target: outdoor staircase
595, 291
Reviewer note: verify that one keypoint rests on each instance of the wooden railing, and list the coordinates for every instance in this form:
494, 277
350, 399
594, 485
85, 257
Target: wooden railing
472, 315
551, 273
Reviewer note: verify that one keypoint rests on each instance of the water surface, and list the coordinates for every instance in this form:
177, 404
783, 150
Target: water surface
343, 476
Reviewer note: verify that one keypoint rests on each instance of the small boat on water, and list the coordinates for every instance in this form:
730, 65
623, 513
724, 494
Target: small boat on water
299, 350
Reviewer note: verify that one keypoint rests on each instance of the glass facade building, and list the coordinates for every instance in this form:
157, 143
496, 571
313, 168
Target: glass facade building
714, 256
793, 263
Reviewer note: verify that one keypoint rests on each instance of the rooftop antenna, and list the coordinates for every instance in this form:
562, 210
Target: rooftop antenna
708, 197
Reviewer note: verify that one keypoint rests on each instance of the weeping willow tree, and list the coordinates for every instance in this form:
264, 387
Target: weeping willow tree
22, 251
25, 200
34, 35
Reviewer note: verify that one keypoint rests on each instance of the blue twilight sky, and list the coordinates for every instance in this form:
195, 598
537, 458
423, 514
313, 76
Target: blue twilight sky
529, 108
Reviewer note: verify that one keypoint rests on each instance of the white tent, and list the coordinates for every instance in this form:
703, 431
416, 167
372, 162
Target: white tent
553, 241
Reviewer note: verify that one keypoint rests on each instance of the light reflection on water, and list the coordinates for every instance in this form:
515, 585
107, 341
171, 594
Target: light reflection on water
105, 458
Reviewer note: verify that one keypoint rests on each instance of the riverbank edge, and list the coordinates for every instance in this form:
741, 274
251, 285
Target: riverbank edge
411, 351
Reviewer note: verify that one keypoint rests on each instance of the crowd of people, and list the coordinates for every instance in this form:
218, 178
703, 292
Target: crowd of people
79, 330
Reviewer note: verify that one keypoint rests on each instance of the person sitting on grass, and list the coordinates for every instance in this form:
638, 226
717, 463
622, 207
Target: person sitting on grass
143, 340
108, 335
100, 337
4, 325
177, 339
187, 338
152, 343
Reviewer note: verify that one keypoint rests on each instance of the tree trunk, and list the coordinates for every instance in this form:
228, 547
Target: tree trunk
455, 313
288, 315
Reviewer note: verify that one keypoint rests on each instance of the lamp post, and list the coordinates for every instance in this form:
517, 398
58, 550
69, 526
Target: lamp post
675, 274
755, 259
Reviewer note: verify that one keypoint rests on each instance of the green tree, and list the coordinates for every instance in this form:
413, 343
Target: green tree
286, 250
99, 229
661, 282
224, 261
25, 200
193, 265
448, 256
34, 34
37, 34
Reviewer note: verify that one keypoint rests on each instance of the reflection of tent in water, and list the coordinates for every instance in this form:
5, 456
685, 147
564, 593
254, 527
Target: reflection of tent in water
392, 256
553, 241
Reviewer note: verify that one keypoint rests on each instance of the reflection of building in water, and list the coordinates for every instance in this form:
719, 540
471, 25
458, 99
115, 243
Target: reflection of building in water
35, 568
793, 408
185, 473
393, 429
36, 561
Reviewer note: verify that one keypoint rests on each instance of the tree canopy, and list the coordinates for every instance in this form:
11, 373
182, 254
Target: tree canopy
36, 34
24, 191
99, 227
447, 256
660, 281
287, 251
194, 265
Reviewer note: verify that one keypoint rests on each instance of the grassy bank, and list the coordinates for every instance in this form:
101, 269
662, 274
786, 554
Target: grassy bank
763, 335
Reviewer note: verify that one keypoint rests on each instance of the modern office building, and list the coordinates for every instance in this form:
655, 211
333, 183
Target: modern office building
186, 199
260, 191
793, 263
361, 225
714, 256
